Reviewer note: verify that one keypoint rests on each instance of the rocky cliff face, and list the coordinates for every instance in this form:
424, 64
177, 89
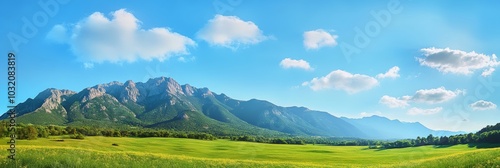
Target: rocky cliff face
130, 92
52, 99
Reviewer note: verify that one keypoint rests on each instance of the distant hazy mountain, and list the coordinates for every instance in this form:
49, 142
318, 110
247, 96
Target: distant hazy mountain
292, 120
377, 127
163, 103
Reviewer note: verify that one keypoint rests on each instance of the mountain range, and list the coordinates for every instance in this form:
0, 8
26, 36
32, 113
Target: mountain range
164, 103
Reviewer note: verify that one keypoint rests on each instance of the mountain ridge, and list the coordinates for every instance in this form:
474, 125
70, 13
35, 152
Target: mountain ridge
399, 129
163, 103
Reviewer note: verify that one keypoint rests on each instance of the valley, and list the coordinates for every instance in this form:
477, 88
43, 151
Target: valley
180, 152
161, 122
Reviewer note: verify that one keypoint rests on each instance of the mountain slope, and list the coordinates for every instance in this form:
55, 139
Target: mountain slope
377, 127
45, 108
164, 103
156, 103
292, 120
327, 122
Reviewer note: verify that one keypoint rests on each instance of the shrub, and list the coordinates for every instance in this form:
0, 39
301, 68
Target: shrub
77, 136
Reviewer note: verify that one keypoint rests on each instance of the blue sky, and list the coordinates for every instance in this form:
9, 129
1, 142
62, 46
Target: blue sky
426, 61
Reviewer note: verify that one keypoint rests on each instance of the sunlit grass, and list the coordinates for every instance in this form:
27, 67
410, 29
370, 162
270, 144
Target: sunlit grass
176, 152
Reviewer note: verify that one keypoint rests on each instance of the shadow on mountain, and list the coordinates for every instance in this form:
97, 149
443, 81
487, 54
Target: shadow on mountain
484, 145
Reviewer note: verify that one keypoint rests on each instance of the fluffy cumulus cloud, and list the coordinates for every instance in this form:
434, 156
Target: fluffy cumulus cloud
97, 39
231, 32
419, 111
437, 95
458, 62
342, 80
291, 63
429, 96
316, 39
58, 33
483, 105
393, 102
391, 73
488, 72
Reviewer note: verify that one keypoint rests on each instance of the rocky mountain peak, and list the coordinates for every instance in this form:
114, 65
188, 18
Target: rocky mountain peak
112, 88
188, 89
52, 98
173, 87
161, 84
129, 83
130, 92
53, 93
205, 92
93, 93
157, 81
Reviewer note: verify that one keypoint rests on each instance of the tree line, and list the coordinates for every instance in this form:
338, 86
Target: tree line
302, 140
31, 132
489, 134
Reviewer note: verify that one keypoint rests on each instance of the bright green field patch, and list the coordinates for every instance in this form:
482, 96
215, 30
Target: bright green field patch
155, 152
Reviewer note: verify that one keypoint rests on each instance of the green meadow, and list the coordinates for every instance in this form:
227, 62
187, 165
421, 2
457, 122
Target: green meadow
178, 152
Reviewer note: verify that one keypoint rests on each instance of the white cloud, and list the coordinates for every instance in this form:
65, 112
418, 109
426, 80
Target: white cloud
97, 39
391, 73
437, 95
342, 80
419, 111
186, 59
58, 33
483, 105
430, 96
231, 32
456, 61
393, 102
88, 65
316, 39
291, 63
488, 72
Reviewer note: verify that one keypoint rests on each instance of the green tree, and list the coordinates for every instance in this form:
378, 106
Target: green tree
77, 136
32, 132
3, 130
470, 138
116, 134
430, 139
42, 132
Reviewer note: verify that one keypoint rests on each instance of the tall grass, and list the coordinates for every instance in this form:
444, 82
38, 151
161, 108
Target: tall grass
174, 152
487, 158
68, 158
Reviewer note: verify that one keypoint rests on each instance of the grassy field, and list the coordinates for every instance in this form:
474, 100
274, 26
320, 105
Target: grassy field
174, 152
